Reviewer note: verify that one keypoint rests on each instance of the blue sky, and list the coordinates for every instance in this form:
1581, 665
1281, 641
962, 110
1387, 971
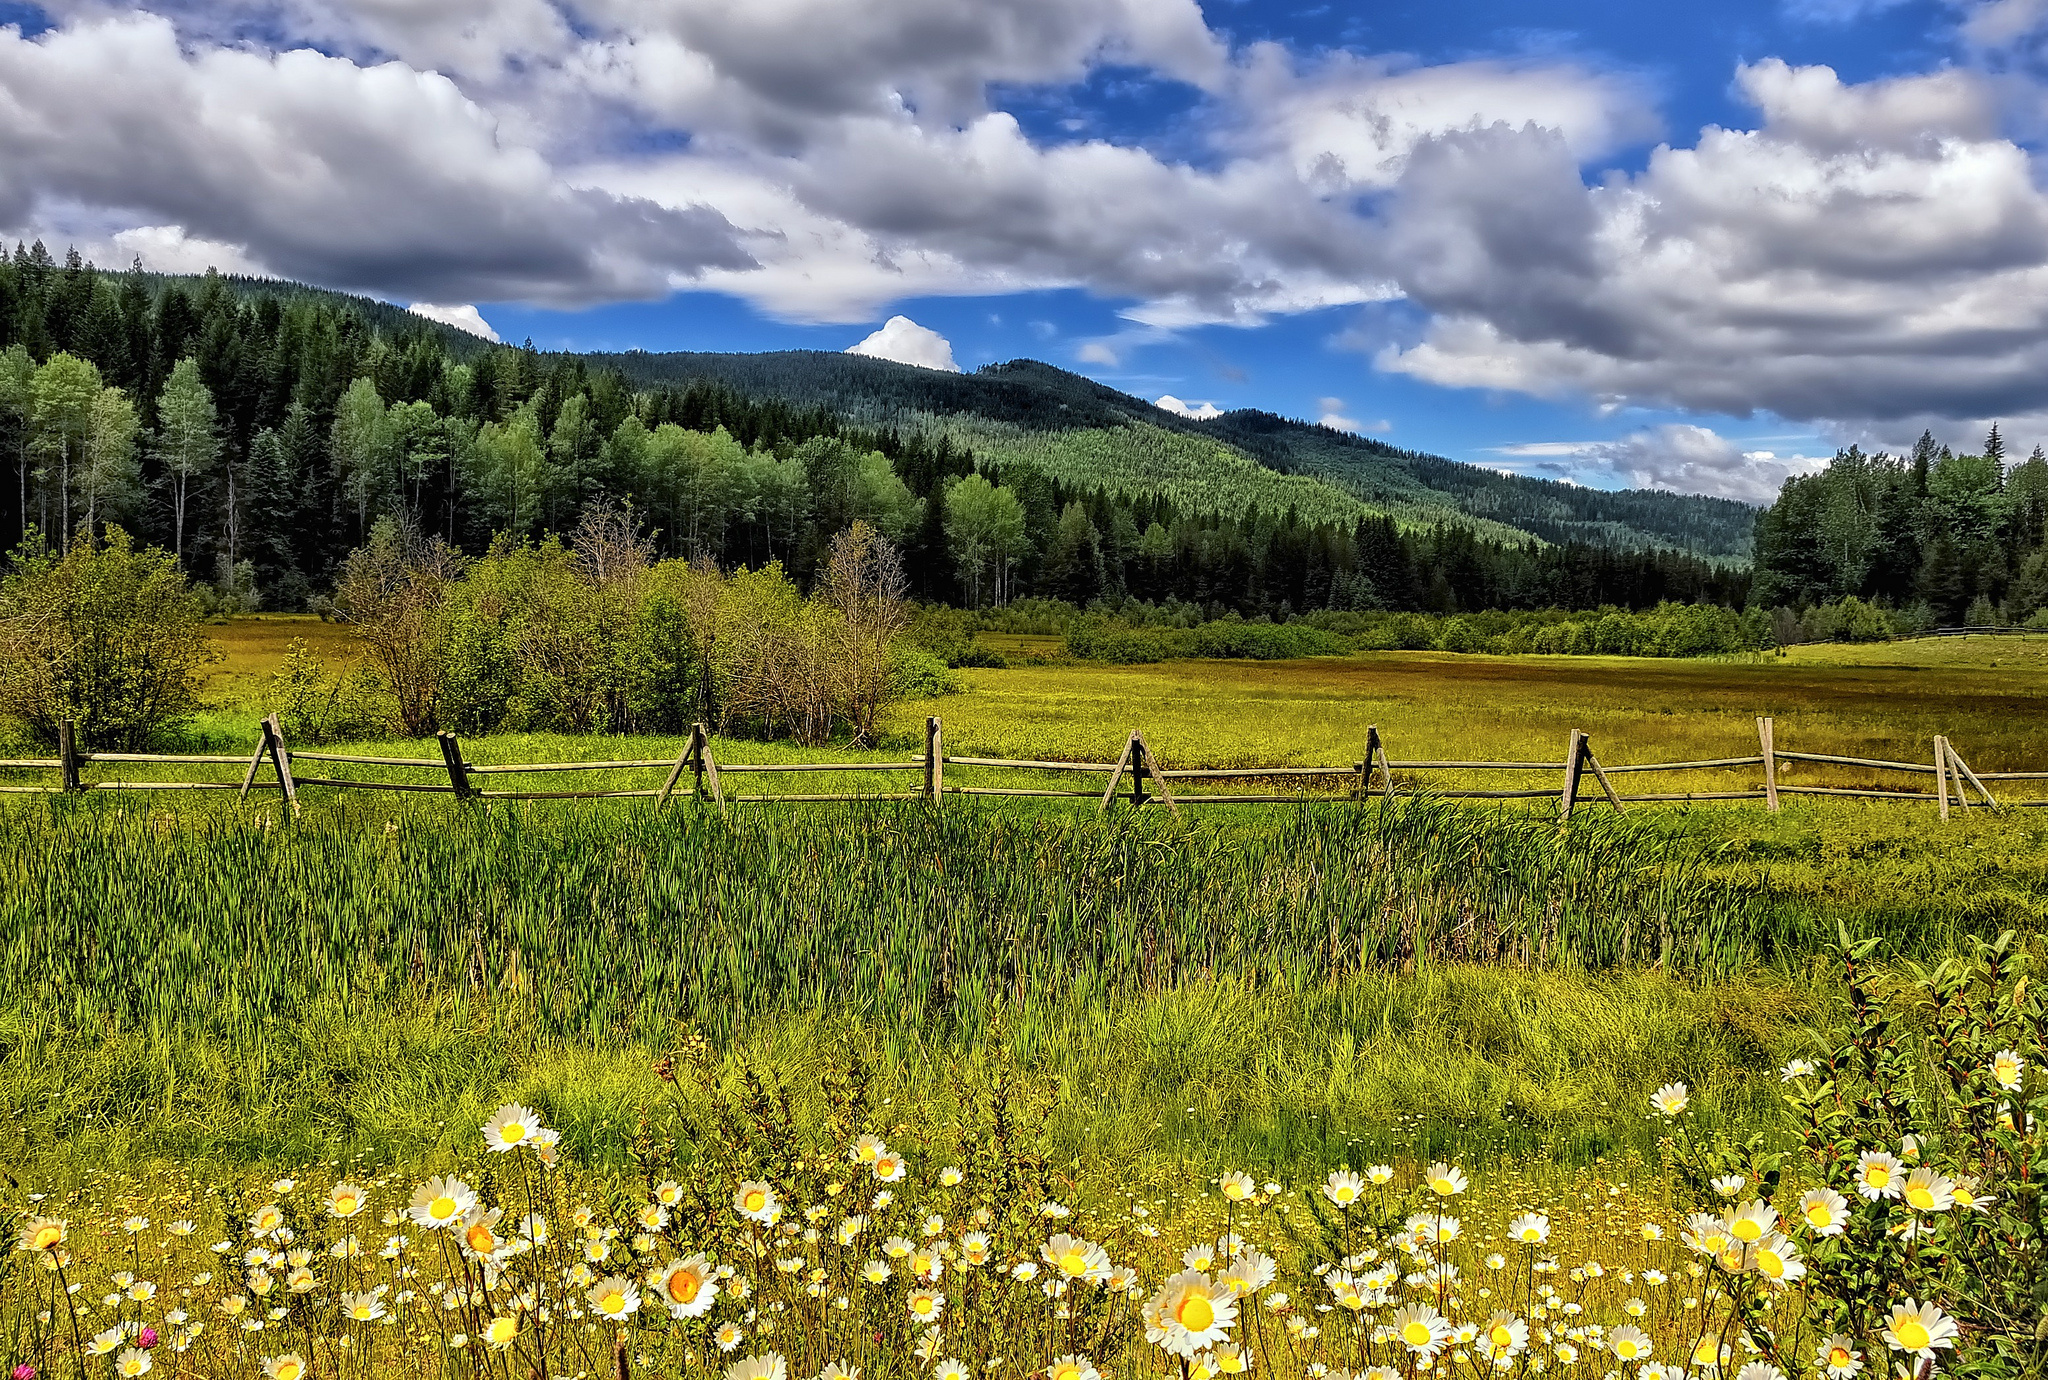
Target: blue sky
1692, 246
1298, 365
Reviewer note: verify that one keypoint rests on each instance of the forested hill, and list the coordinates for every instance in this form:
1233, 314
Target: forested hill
262, 430
1076, 428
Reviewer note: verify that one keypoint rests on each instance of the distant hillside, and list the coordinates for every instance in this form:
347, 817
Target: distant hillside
1081, 432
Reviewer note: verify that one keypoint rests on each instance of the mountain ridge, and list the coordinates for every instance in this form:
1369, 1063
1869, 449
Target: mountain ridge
1034, 396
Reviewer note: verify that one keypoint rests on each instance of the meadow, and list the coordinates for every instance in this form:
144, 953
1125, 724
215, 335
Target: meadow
1073, 1033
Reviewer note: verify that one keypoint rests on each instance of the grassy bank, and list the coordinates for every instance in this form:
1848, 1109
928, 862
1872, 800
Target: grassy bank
1480, 1063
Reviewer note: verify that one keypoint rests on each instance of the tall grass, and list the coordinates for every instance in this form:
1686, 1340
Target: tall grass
612, 919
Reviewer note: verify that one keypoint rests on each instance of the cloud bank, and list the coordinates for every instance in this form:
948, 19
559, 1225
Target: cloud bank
1866, 256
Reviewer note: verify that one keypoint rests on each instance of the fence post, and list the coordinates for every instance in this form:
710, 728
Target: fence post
1941, 773
707, 768
676, 772
1767, 738
1116, 774
1136, 752
1962, 772
273, 737
1574, 762
1600, 775
1375, 748
256, 760
934, 760
458, 775
1155, 769
67, 753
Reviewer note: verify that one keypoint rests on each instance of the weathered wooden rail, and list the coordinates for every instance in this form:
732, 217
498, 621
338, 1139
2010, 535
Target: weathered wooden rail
1139, 772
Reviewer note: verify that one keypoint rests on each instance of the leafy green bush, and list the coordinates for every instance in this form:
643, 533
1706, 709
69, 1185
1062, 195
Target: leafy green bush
103, 634
916, 675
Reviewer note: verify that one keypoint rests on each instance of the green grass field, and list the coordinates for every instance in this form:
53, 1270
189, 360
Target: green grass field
198, 994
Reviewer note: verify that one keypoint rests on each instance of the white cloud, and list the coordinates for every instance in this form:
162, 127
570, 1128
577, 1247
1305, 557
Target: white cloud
1867, 254
1677, 457
1198, 411
906, 342
1350, 122
463, 318
381, 178
1872, 251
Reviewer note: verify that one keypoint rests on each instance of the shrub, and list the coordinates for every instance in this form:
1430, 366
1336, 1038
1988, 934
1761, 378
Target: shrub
916, 675
316, 707
105, 634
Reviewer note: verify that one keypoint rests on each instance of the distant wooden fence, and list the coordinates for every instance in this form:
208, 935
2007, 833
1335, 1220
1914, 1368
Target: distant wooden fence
1139, 771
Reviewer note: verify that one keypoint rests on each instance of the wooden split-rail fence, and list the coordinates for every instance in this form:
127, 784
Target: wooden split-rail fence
1142, 777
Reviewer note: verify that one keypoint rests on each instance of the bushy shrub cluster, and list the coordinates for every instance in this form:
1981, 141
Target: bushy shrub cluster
594, 635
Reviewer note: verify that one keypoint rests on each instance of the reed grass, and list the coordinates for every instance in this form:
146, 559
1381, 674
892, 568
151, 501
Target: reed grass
614, 917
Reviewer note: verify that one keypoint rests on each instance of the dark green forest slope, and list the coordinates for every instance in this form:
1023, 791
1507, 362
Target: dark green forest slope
1029, 397
261, 430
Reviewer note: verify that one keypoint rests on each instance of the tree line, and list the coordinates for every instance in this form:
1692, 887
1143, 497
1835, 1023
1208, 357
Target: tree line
259, 432
1940, 538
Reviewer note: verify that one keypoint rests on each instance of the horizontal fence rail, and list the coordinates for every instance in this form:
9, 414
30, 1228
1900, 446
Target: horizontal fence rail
1137, 777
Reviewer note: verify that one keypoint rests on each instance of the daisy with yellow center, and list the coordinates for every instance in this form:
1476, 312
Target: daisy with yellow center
1752, 1222
510, 1127
1504, 1338
441, 1203
950, 1176
1839, 1357
1777, 1260
1879, 1175
1530, 1229
480, 1231
1189, 1313
668, 1193
1237, 1186
501, 1332
290, 1366
889, 1167
1445, 1181
614, 1297
363, 1308
1671, 1099
925, 1305
1072, 1368
132, 1363
756, 1202
41, 1234
1343, 1187
1927, 1191
950, 1369
2006, 1068
266, 1219
1629, 1343
345, 1201
1421, 1329
1919, 1329
688, 1288
1824, 1211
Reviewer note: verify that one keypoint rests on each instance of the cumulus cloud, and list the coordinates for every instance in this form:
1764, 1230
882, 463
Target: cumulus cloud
463, 318
1867, 253
379, 177
1872, 251
1676, 457
1197, 411
906, 342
